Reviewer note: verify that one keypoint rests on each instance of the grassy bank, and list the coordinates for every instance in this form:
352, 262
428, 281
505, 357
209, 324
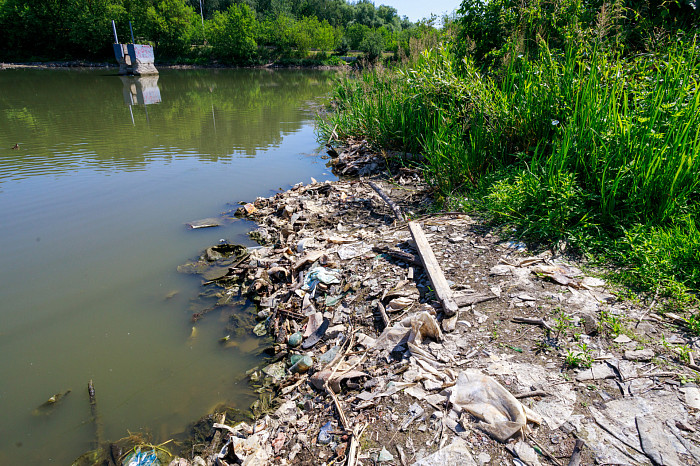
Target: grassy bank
581, 145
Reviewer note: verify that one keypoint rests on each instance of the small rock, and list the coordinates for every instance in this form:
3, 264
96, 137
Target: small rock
384, 456
590, 324
622, 339
639, 355
692, 396
483, 458
276, 370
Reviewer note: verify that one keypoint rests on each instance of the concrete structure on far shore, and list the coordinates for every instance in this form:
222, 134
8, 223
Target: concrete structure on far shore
136, 59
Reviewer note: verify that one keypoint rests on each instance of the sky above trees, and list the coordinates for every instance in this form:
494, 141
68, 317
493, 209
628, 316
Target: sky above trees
419, 9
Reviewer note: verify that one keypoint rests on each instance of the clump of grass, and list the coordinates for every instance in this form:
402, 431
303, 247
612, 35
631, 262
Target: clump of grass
583, 144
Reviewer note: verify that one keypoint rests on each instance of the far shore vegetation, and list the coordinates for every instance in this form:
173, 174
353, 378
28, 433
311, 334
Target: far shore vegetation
570, 124
227, 32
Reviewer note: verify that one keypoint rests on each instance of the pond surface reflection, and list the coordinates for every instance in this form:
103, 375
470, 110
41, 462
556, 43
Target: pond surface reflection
92, 211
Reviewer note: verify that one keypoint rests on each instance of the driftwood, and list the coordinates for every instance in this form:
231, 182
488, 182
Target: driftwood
576, 455
432, 268
395, 208
531, 394
354, 448
545, 451
382, 314
96, 421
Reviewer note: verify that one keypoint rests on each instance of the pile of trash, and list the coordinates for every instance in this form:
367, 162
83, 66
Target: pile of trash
437, 341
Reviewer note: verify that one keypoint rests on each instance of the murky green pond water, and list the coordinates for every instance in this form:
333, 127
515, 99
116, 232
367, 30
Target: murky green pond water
92, 212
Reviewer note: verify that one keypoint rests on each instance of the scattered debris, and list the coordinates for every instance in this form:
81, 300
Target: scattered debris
430, 341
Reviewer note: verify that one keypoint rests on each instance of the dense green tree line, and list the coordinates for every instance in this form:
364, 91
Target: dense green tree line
238, 31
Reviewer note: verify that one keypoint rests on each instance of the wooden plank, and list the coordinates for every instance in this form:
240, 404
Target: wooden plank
432, 268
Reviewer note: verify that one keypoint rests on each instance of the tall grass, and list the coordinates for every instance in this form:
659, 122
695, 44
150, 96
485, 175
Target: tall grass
580, 144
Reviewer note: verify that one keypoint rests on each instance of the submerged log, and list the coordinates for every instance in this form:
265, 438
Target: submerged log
96, 421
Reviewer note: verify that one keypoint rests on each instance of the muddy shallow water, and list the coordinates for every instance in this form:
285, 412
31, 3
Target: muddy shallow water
92, 212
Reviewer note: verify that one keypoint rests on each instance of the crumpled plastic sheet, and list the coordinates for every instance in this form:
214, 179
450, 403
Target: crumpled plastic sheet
412, 329
483, 397
320, 275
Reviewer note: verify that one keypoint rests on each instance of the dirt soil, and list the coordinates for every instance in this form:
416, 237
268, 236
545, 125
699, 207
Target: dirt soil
544, 363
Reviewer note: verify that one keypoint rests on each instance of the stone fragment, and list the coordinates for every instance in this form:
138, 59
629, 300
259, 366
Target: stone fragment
596, 372
656, 444
590, 324
457, 453
622, 339
639, 355
384, 456
692, 396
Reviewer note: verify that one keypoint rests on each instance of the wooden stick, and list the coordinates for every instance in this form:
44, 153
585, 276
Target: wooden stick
576, 455
531, 394
97, 423
469, 299
544, 450
621, 439
382, 313
432, 268
395, 208
332, 135
336, 362
354, 448
528, 320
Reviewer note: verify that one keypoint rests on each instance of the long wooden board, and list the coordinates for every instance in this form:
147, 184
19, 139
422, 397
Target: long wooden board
432, 268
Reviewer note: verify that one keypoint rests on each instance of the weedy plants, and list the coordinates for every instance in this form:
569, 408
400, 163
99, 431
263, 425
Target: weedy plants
683, 352
581, 358
693, 324
611, 323
562, 322
579, 143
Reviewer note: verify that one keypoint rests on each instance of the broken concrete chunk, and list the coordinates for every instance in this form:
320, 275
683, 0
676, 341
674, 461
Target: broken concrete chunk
501, 270
384, 456
398, 304
276, 371
526, 453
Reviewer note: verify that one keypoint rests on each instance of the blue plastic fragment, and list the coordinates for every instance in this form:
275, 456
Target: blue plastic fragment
139, 458
324, 436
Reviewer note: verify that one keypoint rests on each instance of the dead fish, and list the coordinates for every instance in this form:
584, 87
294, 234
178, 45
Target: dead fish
49, 405
193, 336
16, 146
